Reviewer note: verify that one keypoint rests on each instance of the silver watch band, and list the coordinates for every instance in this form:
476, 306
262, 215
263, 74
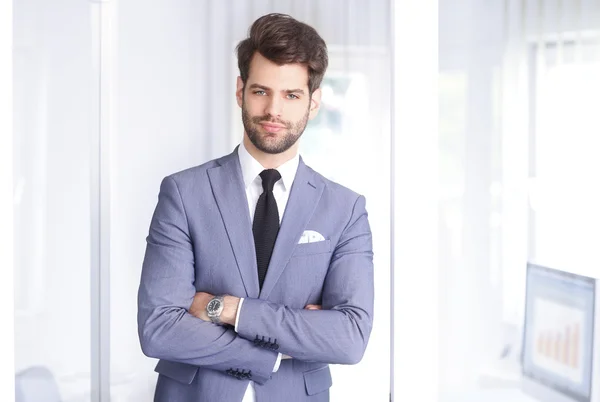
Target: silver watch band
215, 316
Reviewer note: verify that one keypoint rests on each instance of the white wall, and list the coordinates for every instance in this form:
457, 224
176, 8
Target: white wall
416, 278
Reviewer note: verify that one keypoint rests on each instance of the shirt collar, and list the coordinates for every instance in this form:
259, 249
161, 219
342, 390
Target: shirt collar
251, 168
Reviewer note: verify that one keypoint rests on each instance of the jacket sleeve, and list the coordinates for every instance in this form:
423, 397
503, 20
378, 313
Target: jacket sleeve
339, 333
165, 327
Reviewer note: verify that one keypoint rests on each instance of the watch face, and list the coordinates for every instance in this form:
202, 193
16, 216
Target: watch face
213, 306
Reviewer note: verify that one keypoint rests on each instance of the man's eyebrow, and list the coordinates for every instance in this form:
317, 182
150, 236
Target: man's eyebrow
288, 91
258, 86
295, 91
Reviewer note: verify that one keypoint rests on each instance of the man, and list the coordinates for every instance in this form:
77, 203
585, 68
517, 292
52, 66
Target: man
258, 271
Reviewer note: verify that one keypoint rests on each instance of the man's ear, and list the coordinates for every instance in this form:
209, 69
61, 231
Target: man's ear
315, 104
239, 92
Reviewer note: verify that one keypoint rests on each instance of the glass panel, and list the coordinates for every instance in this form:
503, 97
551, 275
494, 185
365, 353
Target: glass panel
52, 121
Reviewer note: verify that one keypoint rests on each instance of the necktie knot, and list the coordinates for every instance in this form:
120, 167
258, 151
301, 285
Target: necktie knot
269, 178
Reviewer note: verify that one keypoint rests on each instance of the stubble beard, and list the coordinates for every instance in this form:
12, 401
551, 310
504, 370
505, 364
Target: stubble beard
273, 143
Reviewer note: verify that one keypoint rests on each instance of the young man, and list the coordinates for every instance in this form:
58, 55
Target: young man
258, 271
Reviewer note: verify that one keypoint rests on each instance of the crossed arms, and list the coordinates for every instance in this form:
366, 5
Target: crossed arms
337, 334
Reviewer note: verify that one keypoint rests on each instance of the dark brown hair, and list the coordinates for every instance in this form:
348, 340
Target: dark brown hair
284, 40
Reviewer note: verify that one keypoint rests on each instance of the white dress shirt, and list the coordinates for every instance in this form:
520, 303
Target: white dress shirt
251, 169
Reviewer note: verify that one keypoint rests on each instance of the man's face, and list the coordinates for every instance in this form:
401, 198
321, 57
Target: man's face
276, 105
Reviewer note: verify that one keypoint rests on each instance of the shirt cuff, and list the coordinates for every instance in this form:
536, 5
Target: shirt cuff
237, 317
277, 363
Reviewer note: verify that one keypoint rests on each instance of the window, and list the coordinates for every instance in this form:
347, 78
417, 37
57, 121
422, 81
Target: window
564, 162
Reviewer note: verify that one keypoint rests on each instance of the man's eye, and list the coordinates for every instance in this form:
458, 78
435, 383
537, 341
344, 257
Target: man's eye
292, 96
259, 93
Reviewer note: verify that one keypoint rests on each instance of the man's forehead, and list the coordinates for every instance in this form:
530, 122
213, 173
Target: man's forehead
278, 77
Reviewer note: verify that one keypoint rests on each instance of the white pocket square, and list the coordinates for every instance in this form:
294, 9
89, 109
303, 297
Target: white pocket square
310, 236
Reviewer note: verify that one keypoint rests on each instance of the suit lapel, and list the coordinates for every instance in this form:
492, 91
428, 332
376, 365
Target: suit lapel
230, 194
304, 197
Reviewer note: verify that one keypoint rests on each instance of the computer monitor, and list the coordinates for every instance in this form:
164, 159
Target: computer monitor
558, 339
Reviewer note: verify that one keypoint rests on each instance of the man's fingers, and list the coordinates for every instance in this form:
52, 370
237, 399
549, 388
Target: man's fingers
313, 307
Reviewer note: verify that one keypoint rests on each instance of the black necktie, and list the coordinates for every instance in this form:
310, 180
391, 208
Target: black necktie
266, 223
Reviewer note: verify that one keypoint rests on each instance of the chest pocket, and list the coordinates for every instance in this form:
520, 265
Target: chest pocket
319, 247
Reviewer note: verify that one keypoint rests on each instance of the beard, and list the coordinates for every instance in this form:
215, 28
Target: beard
282, 140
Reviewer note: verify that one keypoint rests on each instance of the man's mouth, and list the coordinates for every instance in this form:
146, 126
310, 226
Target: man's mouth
272, 127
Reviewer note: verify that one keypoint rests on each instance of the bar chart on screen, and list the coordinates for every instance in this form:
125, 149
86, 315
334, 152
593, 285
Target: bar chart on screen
558, 331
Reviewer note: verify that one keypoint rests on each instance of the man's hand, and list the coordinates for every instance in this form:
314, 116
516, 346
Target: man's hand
230, 309
198, 307
230, 306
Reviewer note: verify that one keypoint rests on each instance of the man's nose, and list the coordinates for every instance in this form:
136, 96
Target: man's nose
274, 107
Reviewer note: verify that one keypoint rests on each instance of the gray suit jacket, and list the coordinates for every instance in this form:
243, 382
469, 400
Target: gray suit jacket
200, 239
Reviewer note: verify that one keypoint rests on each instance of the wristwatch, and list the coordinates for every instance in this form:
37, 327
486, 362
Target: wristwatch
214, 308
